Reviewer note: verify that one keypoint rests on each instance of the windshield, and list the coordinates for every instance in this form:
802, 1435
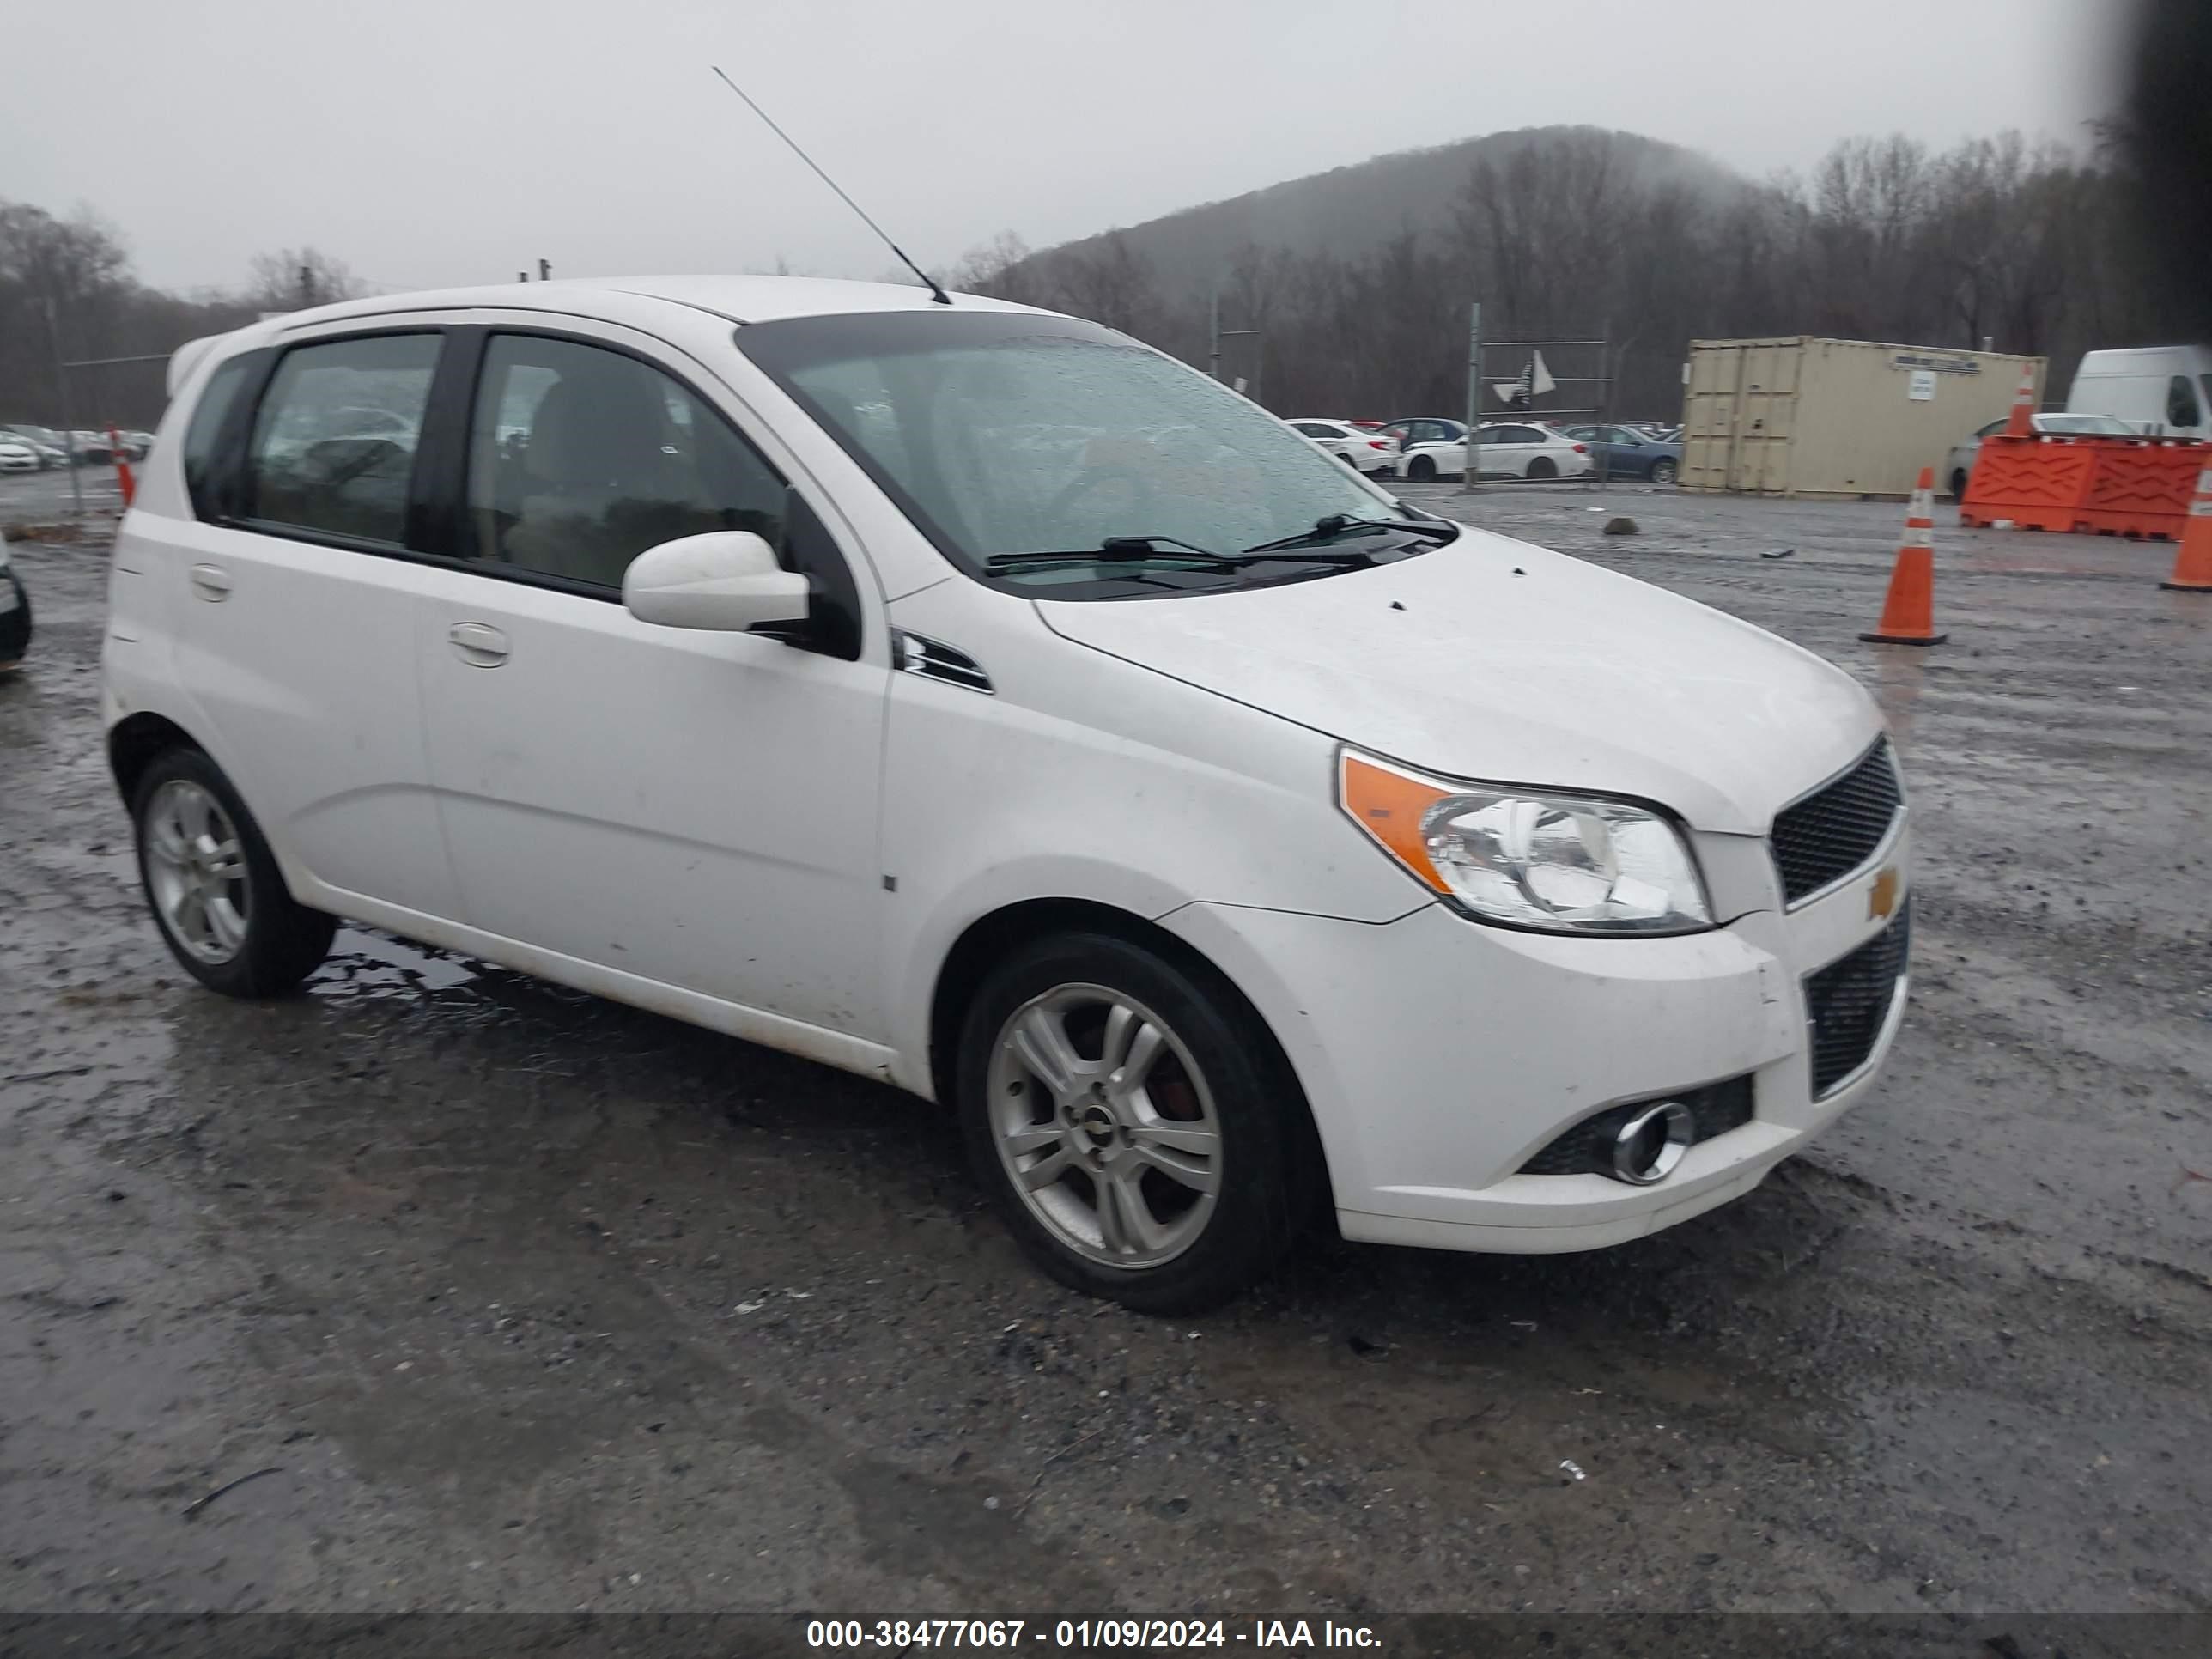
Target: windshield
1002, 433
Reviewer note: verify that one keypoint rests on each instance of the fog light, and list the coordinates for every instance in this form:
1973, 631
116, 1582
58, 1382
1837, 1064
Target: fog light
1650, 1144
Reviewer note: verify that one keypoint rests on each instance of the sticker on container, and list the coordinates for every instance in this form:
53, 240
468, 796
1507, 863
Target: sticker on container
1922, 389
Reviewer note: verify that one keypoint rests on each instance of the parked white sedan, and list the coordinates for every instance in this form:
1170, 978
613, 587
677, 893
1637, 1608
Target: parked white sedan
1515, 449
1356, 447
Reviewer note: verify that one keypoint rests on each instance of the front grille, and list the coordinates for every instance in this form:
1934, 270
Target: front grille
1847, 1001
1587, 1149
1834, 831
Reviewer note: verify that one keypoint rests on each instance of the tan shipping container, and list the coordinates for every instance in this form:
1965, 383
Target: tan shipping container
1843, 419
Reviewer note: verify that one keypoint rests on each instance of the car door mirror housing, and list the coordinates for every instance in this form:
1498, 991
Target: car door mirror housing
726, 579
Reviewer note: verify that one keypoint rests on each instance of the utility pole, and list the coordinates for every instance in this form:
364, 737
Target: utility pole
544, 272
521, 275
69, 423
306, 286
1215, 334
1605, 368
1470, 476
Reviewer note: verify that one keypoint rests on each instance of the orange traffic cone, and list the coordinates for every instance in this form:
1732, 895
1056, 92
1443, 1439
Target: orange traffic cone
2022, 422
123, 477
1908, 616
2192, 565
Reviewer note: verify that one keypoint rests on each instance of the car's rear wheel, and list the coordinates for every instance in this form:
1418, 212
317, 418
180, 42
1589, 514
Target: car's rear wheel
1134, 1124
1542, 467
1663, 472
1421, 470
214, 886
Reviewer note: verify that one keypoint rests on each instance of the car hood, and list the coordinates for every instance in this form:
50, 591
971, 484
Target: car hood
1494, 660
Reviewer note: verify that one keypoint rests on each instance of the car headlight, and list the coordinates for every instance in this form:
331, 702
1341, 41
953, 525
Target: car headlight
1561, 864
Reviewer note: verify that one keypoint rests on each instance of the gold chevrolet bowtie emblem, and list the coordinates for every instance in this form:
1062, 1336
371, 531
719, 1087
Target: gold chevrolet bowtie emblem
1881, 897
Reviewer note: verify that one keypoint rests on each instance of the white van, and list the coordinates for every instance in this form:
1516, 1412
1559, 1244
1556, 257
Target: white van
2164, 392
1220, 838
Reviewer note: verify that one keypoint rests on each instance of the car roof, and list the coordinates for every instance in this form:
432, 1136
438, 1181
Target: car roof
739, 299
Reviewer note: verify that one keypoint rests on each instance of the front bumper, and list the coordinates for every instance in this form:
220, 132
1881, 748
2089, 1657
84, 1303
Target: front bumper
1440, 1055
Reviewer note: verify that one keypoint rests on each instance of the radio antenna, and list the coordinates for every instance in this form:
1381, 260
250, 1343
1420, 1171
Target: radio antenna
936, 290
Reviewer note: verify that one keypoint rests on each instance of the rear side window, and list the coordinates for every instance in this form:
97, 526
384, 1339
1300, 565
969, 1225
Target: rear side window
202, 436
334, 439
580, 459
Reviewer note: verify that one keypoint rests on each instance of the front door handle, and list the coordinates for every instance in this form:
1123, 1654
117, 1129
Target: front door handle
478, 645
210, 582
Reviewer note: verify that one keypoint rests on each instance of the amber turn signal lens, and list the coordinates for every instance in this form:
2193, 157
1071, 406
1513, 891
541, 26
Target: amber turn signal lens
1389, 805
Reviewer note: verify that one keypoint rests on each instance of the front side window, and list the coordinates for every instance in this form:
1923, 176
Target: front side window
1004, 432
582, 458
334, 439
2181, 402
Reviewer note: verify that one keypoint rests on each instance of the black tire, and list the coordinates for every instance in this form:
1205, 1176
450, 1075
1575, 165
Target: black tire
1421, 470
1542, 467
1663, 472
1958, 485
14, 625
1267, 1165
283, 940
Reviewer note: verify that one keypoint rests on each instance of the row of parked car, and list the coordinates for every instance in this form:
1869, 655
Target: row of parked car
1427, 447
25, 448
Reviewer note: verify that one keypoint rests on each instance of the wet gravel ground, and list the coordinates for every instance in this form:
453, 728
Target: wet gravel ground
529, 1301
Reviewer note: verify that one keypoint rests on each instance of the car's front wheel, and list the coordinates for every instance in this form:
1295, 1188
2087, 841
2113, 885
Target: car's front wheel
214, 886
1134, 1123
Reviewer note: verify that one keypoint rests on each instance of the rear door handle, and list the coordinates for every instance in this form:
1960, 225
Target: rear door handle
477, 644
211, 582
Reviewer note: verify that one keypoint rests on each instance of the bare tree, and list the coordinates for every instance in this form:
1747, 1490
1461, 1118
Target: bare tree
293, 278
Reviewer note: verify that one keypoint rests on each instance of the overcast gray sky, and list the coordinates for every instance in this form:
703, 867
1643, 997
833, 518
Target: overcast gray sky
429, 141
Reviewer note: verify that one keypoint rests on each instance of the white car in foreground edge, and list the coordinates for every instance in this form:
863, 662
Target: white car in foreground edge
1216, 836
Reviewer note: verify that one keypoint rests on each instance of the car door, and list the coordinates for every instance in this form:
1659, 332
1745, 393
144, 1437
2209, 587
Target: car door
1621, 453
1506, 451
695, 810
295, 606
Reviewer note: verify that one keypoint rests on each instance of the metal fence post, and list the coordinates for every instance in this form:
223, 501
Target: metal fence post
69, 423
1471, 469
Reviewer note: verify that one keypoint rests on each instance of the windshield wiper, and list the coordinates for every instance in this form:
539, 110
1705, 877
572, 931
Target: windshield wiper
1327, 530
1116, 549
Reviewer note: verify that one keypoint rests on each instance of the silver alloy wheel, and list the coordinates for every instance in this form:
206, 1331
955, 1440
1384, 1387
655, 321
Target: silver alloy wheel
196, 866
1105, 1126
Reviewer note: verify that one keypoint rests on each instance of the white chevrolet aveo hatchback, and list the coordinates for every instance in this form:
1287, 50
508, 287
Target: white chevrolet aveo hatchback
1222, 841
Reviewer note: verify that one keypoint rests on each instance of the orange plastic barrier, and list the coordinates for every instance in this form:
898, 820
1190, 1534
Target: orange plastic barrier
1908, 613
2141, 489
2039, 484
2100, 486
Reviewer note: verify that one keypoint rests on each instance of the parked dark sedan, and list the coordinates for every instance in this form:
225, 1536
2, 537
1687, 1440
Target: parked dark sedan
1621, 451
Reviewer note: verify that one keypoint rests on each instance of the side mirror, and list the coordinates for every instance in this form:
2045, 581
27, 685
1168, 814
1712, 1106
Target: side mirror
728, 580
